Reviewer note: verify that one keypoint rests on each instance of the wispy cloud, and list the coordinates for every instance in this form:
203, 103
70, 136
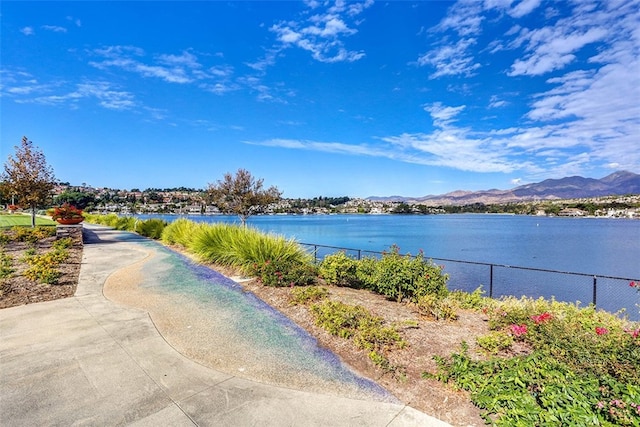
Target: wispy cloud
54, 28
27, 31
25, 89
451, 59
322, 33
536, 151
524, 7
77, 22
552, 48
181, 69
579, 121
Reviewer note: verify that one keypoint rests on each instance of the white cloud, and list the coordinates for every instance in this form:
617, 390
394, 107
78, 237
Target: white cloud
27, 31
587, 117
441, 115
464, 17
54, 28
77, 22
186, 59
524, 8
104, 92
219, 88
552, 49
183, 68
321, 34
496, 102
451, 59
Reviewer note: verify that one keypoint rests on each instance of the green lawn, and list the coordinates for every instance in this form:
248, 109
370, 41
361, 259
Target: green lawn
24, 220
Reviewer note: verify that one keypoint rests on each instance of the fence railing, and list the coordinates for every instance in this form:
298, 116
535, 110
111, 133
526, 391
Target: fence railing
610, 293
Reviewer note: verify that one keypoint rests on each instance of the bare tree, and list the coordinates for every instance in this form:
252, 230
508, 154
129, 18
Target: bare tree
29, 177
241, 195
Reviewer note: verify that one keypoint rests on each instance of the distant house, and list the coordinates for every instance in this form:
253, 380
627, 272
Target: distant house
572, 212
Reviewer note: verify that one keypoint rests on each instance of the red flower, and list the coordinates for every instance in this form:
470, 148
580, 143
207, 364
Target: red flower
541, 318
601, 331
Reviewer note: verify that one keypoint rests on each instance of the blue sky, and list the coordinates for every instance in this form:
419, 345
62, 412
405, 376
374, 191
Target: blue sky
372, 98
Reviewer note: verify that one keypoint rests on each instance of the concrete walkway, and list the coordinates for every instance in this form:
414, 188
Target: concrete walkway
88, 361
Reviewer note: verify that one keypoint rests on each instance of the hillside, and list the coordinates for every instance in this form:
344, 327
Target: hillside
574, 187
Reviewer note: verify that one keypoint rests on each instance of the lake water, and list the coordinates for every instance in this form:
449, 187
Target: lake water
591, 246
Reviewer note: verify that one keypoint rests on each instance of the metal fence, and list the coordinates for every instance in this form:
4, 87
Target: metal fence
609, 293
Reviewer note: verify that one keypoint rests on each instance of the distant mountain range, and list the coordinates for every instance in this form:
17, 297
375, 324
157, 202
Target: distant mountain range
574, 187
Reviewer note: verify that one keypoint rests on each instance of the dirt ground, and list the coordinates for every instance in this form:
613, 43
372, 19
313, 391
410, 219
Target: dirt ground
18, 290
425, 338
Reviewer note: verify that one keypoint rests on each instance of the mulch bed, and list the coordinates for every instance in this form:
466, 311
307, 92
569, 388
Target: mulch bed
18, 290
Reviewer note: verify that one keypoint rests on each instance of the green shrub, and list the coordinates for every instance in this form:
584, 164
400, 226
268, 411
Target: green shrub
44, 268
307, 294
181, 232
474, 300
587, 340
338, 318
582, 370
53, 257
540, 390
339, 269
109, 220
434, 307
495, 341
64, 243
6, 265
367, 331
250, 249
43, 273
257, 247
285, 273
4, 237
31, 235
405, 277
30, 252
151, 228
364, 272
125, 223
216, 243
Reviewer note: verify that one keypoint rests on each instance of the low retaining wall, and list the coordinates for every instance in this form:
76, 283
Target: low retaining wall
73, 231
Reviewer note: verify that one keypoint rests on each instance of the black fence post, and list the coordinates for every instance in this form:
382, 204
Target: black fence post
595, 284
491, 281
359, 254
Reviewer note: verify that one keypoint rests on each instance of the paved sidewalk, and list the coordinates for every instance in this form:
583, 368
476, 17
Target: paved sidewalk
85, 360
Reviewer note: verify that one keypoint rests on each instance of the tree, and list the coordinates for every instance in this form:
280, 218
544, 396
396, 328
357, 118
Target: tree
29, 177
79, 199
241, 195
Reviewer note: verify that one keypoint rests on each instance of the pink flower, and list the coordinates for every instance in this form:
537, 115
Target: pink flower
601, 331
518, 330
541, 318
633, 333
635, 285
